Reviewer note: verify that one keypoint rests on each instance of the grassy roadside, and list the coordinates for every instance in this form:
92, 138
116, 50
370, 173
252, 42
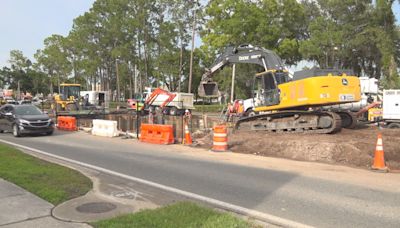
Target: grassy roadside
184, 214
51, 182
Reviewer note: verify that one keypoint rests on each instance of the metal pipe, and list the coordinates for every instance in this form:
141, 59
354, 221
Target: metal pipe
233, 82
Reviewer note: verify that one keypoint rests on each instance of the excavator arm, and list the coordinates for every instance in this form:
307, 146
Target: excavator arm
242, 54
153, 96
245, 54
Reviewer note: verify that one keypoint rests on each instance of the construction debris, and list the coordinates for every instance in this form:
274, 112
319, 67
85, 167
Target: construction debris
348, 147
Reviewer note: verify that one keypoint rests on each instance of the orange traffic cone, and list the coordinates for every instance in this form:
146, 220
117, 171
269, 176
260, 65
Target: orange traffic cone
379, 158
188, 137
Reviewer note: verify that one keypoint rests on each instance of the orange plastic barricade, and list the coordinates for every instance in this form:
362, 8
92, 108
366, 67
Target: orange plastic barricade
66, 123
220, 138
157, 134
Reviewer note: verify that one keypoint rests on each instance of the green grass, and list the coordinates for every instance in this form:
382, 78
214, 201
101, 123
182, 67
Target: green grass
209, 108
184, 215
51, 182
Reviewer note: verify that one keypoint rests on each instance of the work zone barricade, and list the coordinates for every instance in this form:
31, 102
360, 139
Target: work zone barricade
157, 134
66, 123
106, 128
220, 138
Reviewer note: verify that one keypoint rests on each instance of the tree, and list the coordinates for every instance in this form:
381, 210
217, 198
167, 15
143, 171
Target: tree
18, 60
273, 24
53, 59
355, 34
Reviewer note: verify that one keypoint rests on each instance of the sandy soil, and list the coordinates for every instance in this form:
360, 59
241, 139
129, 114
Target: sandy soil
349, 147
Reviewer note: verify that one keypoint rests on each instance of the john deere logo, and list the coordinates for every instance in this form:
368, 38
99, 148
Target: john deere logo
344, 81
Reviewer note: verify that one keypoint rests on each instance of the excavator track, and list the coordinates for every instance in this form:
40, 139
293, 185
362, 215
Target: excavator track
349, 119
316, 122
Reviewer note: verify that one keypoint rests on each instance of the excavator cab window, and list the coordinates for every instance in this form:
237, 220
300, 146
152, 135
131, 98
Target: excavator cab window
68, 91
281, 77
267, 91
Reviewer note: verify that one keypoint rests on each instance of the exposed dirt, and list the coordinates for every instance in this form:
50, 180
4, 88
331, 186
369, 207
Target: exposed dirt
349, 147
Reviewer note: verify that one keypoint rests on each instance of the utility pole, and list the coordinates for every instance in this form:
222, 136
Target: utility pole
135, 80
180, 68
130, 78
191, 53
19, 91
73, 68
116, 70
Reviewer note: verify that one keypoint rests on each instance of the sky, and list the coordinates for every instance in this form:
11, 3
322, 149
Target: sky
24, 24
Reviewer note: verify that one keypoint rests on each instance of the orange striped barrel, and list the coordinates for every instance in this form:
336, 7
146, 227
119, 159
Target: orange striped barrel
220, 138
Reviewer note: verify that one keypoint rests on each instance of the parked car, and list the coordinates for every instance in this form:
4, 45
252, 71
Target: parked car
24, 102
25, 119
38, 101
11, 101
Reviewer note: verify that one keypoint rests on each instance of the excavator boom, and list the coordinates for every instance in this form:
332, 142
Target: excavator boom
245, 53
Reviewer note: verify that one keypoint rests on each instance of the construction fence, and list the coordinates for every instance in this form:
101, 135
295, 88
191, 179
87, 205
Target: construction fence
130, 122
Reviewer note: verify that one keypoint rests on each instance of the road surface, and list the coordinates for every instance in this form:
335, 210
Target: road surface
309, 200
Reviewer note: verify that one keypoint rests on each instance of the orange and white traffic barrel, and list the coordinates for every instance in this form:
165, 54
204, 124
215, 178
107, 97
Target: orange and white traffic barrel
220, 138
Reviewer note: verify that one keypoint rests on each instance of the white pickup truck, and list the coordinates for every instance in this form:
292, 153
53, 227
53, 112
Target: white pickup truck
248, 107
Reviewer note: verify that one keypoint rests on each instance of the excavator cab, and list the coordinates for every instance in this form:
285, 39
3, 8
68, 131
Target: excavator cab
266, 87
67, 99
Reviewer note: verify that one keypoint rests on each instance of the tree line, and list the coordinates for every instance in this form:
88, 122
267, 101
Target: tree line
125, 45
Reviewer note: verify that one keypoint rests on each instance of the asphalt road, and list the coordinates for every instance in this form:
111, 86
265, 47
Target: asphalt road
311, 201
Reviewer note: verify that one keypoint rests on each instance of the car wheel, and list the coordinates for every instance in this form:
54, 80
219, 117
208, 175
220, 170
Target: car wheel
173, 111
49, 133
394, 125
251, 112
165, 111
71, 107
59, 107
15, 131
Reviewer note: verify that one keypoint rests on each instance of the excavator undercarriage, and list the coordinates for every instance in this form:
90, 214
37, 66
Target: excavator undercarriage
321, 122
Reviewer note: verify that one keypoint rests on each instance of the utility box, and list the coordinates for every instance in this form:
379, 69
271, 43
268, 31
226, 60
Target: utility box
391, 105
99, 99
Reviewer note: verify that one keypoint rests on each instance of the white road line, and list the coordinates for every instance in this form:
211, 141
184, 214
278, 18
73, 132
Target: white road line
227, 206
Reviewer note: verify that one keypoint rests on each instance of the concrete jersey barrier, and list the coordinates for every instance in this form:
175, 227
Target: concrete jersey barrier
106, 128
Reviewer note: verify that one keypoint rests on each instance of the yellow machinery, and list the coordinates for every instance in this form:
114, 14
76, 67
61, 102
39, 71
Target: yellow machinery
289, 104
374, 114
68, 98
313, 91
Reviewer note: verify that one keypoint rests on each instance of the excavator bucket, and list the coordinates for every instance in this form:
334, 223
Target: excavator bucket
208, 89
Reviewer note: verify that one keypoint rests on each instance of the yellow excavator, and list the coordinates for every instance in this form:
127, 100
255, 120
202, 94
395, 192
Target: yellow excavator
68, 98
289, 104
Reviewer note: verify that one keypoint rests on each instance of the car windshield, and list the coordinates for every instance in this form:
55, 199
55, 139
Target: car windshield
27, 110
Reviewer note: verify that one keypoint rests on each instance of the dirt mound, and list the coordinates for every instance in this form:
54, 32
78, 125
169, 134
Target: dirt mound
348, 147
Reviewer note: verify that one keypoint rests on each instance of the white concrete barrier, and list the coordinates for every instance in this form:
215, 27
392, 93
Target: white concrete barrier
106, 128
